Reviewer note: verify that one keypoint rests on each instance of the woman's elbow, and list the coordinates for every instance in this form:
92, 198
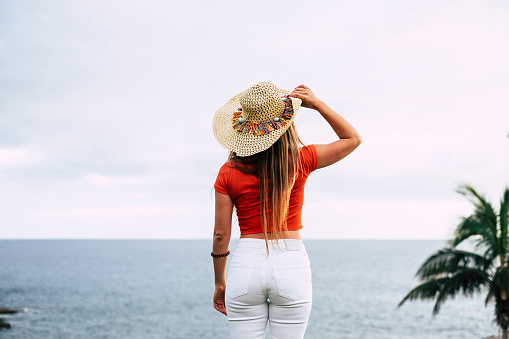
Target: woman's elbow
220, 236
354, 142
357, 140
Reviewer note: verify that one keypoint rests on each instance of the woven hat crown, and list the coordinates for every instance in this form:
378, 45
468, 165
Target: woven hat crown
261, 103
253, 120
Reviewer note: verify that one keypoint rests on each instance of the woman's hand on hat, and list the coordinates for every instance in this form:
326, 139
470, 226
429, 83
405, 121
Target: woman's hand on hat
309, 99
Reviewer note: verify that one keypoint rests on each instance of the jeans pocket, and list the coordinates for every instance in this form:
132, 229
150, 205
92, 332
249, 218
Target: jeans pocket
239, 276
293, 281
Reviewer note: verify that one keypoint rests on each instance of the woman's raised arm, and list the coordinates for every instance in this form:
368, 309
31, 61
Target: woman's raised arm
349, 139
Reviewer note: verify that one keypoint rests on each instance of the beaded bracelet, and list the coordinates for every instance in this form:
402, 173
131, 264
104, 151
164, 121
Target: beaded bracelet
219, 255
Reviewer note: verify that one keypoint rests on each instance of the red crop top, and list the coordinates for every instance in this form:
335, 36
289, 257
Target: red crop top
245, 192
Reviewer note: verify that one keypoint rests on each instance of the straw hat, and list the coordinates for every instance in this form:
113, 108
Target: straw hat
253, 120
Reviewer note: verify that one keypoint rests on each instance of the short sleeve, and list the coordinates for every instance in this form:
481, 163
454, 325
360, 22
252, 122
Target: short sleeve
308, 159
222, 185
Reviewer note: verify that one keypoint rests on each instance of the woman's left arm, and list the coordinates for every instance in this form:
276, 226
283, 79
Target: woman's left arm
222, 234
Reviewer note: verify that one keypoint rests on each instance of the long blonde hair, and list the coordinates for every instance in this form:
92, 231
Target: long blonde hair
276, 168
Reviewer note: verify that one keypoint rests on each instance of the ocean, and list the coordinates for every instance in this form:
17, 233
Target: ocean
163, 289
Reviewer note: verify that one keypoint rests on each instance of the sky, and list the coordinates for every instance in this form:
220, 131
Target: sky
106, 111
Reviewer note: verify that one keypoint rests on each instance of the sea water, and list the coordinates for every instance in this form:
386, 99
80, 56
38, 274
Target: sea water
163, 289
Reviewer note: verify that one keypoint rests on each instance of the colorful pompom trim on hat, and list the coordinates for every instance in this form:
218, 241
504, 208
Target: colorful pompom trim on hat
263, 128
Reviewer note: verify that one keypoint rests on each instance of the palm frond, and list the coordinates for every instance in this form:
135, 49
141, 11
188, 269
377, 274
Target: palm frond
487, 250
476, 229
483, 208
425, 291
504, 221
471, 193
450, 260
484, 217
489, 296
467, 281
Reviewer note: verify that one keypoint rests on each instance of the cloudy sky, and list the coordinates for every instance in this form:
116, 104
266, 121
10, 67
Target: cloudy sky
106, 110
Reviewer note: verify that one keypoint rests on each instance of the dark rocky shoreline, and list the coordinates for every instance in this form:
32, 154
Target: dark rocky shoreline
5, 310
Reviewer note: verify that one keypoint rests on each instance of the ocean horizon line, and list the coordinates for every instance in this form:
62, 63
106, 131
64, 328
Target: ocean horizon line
305, 239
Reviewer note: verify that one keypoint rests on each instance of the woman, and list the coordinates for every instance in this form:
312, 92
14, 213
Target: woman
269, 277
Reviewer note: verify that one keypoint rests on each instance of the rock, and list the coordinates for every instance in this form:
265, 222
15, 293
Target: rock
5, 310
4, 324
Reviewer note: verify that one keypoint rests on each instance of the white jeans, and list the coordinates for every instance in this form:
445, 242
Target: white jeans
274, 288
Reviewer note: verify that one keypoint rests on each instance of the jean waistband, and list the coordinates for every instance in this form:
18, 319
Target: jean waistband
281, 244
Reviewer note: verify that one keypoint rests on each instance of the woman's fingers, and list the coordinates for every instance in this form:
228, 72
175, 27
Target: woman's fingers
296, 95
219, 299
304, 93
220, 307
299, 93
302, 86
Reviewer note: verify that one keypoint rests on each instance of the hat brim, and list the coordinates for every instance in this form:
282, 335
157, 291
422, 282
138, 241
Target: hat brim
246, 144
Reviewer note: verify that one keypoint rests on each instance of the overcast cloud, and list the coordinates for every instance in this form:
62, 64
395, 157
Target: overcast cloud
106, 110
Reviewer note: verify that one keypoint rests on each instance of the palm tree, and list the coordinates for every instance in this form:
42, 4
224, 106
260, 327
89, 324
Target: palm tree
451, 271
